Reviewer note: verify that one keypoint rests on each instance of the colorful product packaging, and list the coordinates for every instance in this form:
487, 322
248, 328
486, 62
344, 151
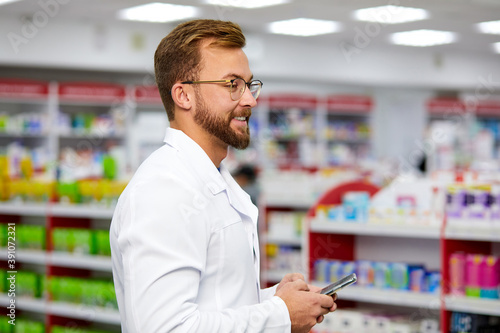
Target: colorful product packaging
320, 270
356, 206
416, 275
473, 278
457, 274
432, 282
382, 275
490, 270
399, 276
365, 273
334, 270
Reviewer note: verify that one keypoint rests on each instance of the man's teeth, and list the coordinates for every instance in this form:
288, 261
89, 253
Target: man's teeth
240, 118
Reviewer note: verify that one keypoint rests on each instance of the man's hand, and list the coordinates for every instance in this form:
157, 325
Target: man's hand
306, 306
289, 278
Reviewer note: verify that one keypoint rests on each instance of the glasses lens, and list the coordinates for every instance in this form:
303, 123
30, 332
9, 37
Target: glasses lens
255, 87
237, 89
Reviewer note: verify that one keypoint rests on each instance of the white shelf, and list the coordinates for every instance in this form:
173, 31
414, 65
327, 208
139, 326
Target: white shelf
276, 239
388, 296
22, 135
275, 275
393, 230
84, 312
27, 256
93, 262
290, 202
473, 305
83, 211
77, 311
61, 210
473, 231
25, 303
19, 208
74, 136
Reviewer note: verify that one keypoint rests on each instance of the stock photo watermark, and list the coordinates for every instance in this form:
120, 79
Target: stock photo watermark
12, 272
363, 36
32, 25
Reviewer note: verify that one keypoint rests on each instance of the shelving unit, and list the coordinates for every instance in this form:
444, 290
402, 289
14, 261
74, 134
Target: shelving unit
336, 240
487, 116
289, 130
55, 263
26, 110
347, 133
150, 121
92, 119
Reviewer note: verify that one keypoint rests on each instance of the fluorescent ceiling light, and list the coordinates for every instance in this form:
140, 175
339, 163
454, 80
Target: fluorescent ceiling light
423, 38
246, 3
304, 27
491, 27
4, 2
158, 12
496, 47
391, 14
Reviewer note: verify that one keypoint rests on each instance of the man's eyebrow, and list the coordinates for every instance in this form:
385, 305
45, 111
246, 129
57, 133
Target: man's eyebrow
233, 75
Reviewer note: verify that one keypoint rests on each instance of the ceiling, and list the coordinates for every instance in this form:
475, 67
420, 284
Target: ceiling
451, 15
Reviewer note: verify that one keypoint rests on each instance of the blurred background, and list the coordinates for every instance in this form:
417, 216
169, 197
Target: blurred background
402, 95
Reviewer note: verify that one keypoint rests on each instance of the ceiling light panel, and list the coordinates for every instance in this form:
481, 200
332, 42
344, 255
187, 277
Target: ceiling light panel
491, 27
4, 2
423, 38
391, 14
248, 4
158, 12
496, 47
304, 27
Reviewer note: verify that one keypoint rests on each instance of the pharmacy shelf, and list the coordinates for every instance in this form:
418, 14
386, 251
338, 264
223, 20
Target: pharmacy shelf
26, 256
23, 135
77, 311
61, 259
93, 262
92, 136
275, 275
25, 303
81, 211
369, 229
60, 210
18, 208
280, 240
388, 297
289, 202
473, 231
473, 305
84, 312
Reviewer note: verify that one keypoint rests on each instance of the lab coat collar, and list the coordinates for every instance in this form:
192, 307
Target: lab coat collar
199, 160
215, 180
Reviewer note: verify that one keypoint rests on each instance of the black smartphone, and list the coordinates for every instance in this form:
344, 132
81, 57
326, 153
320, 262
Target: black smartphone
339, 284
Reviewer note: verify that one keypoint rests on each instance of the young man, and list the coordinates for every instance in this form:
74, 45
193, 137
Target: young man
184, 235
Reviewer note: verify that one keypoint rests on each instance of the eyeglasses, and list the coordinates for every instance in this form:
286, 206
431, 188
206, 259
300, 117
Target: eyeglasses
236, 87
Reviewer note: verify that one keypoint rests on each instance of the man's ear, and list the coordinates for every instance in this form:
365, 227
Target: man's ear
182, 97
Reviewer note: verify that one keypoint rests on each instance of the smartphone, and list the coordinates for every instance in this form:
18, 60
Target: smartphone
339, 284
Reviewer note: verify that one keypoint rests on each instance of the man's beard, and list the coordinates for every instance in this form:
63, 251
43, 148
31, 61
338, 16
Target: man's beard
220, 127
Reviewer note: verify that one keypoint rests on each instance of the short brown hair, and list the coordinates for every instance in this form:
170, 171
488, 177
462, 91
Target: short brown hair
178, 55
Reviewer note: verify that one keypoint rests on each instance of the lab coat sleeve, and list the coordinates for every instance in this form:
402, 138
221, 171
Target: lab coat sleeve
267, 293
163, 240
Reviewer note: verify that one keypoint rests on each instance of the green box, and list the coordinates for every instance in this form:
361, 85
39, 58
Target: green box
28, 284
102, 242
29, 326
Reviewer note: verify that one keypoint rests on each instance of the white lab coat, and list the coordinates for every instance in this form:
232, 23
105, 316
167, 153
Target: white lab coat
185, 250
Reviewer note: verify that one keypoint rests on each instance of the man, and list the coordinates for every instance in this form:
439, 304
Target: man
184, 234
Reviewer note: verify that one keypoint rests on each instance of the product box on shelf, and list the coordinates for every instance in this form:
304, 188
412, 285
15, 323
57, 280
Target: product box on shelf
475, 275
380, 275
